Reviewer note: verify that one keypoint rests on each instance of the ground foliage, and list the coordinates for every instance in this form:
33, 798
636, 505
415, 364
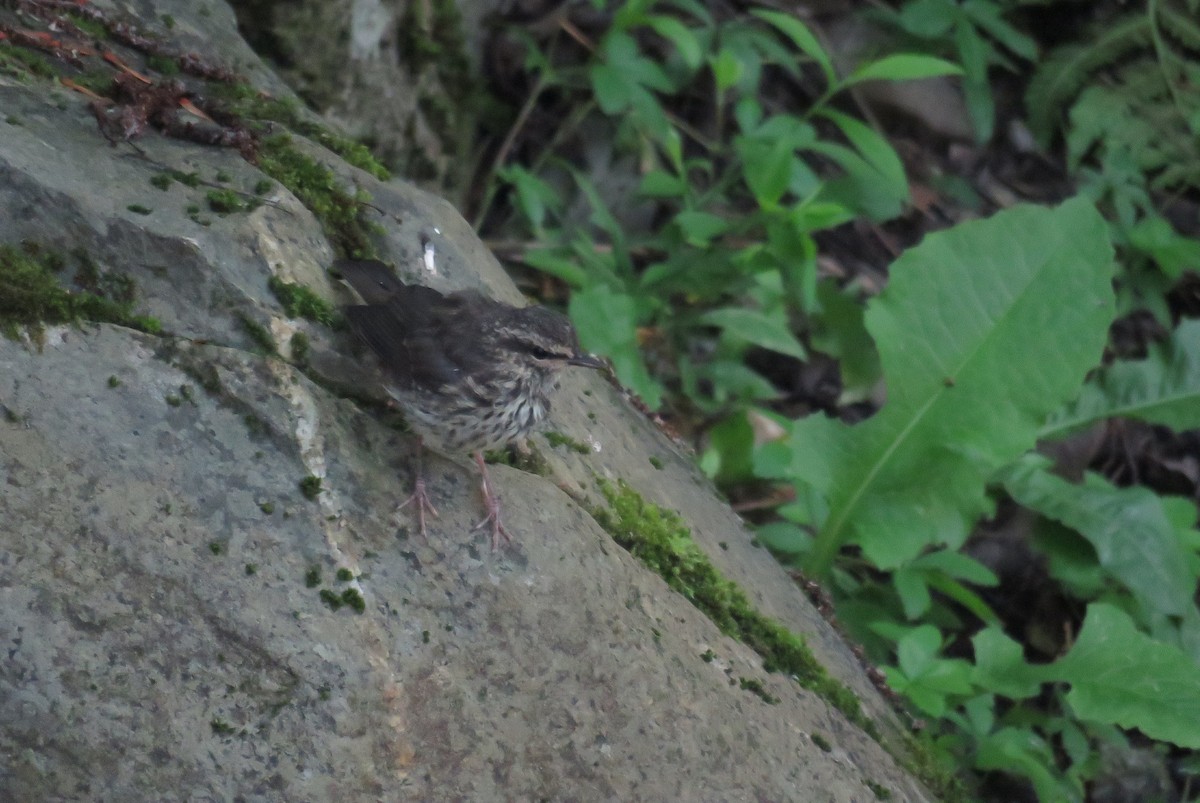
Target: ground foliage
1011, 531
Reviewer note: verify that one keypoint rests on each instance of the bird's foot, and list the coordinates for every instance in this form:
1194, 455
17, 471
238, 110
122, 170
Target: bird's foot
492, 503
422, 504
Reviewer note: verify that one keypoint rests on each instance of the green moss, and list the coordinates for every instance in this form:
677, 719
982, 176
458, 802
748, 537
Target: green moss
318, 189
267, 507
163, 65
821, 742
222, 728
161, 180
258, 333
223, 177
331, 599
300, 302
215, 547
251, 569
707, 656
30, 294
88, 26
113, 382
300, 347
168, 21
424, 636
756, 688
310, 486
173, 400
20, 61
263, 186
226, 202
12, 119
352, 599
656, 462
661, 540
558, 439
344, 575
881, 792
312, 578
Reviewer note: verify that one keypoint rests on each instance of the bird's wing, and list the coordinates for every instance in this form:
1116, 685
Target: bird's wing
371, 279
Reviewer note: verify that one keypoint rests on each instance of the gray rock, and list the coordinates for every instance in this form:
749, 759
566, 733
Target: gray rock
164, 581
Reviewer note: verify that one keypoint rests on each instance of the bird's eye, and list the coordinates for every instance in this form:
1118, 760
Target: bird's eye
540, 353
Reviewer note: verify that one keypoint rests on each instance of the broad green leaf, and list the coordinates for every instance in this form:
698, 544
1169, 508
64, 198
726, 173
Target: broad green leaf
801, 37
1163, 389
1023, 751
607, 324
903, 67
758, 327
1000, 665
1123, 677
925, 677
1128, 527
982, 331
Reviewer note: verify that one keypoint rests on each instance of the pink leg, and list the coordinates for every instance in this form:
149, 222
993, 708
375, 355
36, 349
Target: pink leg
492, 503
419, 499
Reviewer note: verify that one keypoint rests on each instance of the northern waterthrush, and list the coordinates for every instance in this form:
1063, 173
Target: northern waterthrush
470, 373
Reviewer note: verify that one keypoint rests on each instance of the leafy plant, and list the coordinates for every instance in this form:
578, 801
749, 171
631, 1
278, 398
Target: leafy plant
738, 195
1130, 89
977, 35
986, 332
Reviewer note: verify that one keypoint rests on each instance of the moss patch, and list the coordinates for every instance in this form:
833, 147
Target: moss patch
31, 294
661, 540
300, 302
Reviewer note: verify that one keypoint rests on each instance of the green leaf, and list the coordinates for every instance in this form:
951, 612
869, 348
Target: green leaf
726, 68
801, 37
1163, 389
839, 332
1123, 677
699, 228
876, 150
924, 677
661, 184
769, 330
1129, 528
553, 262
1024, 752
607, 324
1000, 665
533, 194
678, 34
902, 67
1173, 252
963, 330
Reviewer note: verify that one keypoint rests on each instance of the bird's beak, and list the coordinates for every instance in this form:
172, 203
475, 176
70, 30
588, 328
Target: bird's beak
586, 361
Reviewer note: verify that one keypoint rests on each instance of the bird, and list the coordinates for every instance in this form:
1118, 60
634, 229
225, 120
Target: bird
469, 373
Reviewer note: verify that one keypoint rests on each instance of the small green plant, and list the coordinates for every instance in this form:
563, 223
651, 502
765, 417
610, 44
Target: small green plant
974, 33
731, 266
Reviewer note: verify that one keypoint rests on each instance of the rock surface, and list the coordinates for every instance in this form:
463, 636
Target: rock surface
164, 579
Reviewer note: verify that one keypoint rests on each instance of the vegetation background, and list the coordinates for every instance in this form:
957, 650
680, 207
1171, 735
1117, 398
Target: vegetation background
919, 282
